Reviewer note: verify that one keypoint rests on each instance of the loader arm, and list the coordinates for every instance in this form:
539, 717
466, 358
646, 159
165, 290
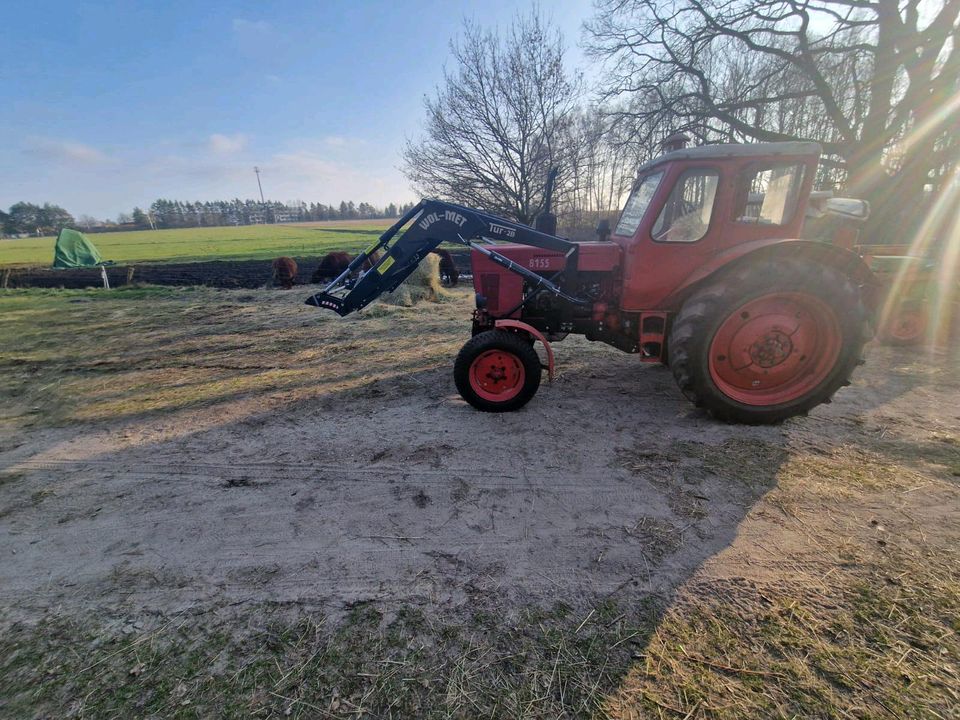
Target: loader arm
424, 227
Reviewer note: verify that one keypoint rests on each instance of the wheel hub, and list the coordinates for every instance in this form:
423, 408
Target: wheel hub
775, 349
497, 375
771, 349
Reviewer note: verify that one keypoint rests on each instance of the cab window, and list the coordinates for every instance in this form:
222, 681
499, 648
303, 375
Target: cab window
768, 194
637, 204
686, 215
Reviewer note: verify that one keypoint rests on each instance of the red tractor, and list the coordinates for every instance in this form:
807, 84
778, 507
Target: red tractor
704, 271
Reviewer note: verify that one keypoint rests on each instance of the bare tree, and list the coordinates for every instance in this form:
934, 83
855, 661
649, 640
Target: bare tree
875, 81
497, 124
601, 167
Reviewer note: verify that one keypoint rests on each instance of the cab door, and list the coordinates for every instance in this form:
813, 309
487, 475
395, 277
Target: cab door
678, 230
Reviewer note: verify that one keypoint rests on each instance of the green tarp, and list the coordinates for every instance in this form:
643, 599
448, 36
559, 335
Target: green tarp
74, 250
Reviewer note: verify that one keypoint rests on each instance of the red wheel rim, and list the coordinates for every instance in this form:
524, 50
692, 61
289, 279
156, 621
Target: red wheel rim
908, 324
775, 349
497, 375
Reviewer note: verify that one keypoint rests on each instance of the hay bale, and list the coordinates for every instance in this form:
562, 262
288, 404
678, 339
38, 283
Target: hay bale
422, 284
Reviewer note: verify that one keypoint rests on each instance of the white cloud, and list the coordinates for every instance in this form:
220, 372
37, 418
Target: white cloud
227, 144
304, 166
88, 181
309, 173
341, 142
172, 171
294, 173
64, 151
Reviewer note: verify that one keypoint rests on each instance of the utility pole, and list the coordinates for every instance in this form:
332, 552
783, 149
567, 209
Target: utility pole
257, 171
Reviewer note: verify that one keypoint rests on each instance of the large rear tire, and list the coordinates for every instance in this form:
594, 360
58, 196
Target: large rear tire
497, 371
906, 324
768, 341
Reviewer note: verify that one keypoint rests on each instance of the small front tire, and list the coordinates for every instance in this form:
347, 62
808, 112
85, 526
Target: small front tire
497, 371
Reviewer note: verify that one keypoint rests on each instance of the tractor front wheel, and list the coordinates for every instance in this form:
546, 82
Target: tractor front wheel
497, 371
767, 342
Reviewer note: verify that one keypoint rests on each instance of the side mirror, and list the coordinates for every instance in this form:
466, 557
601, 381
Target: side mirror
603, 229
849, 208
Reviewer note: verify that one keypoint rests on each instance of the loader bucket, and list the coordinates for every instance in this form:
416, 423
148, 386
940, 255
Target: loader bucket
394, 266
403, 246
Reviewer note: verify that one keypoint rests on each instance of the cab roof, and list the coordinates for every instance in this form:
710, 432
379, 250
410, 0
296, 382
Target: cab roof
736, 150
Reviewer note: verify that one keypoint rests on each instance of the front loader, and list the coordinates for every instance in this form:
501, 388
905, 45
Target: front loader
704, 271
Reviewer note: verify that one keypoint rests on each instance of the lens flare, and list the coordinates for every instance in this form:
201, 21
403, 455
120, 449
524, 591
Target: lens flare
938, 238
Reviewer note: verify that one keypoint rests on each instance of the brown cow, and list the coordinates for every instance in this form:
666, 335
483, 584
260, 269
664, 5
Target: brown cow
285, 272
331, 265
448, 268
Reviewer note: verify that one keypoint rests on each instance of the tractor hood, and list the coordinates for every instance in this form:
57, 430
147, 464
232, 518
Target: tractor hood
593, 257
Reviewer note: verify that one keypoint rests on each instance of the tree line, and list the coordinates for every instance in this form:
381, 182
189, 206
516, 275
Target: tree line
25, 218
875, 82
174, 213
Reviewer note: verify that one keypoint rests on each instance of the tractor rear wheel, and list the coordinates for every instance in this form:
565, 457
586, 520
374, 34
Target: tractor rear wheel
768, 341
906, 324
497, 371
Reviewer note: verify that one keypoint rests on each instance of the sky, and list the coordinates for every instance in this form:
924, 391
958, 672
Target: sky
109, 105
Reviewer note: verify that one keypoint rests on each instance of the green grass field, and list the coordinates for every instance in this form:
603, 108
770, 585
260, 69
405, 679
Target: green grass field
248, 242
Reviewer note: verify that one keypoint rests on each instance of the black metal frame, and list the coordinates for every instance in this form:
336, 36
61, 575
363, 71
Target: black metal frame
428, 224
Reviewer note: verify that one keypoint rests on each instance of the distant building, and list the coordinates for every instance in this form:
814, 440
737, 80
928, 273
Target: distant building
286, 214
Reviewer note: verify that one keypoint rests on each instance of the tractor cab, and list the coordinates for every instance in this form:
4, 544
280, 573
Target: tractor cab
693, 205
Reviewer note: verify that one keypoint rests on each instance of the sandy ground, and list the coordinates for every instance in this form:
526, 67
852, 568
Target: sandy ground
608, 484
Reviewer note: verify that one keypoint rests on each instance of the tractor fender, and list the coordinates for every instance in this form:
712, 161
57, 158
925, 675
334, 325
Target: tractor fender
536, 334
846, 261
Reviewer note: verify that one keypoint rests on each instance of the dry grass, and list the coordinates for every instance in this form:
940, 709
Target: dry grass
422, 285
878, 641
267, 664
99, 356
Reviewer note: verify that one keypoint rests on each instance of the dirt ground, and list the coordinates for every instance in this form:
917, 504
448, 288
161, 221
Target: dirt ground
207, 454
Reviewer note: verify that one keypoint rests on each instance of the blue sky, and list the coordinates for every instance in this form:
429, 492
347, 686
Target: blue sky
108, 105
